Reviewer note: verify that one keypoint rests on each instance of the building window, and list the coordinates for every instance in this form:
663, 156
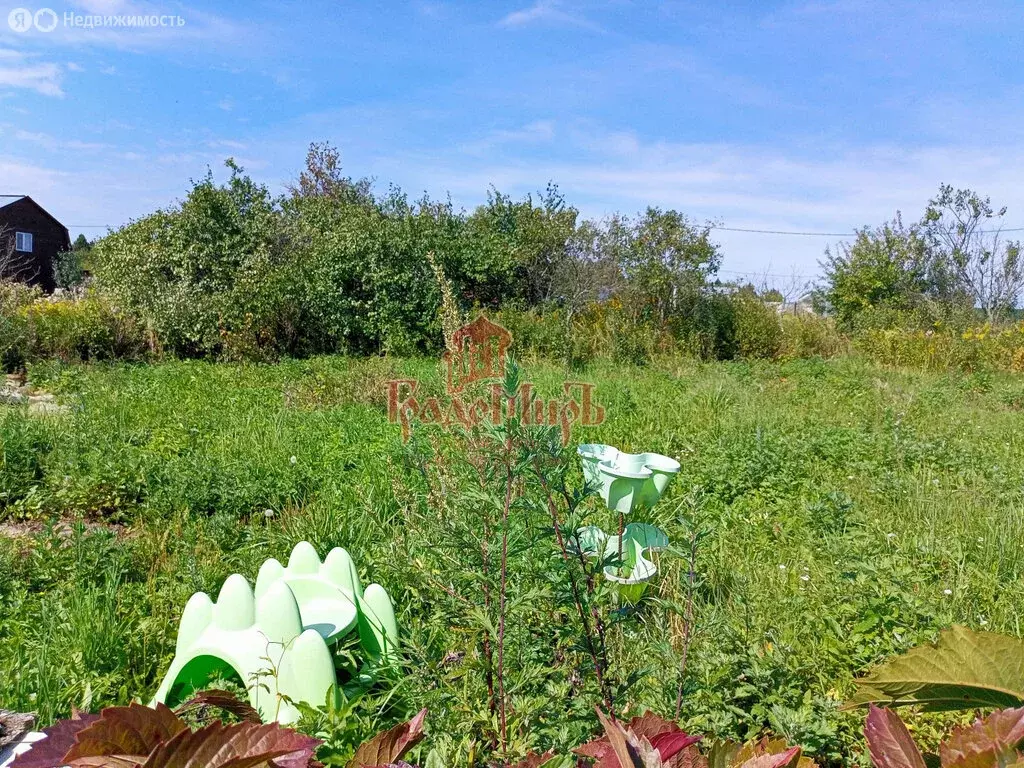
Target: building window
23, 241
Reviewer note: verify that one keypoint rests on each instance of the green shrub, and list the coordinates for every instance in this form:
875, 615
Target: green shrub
536, 334
81, 330
34, 328
68, 271
757, 327
205, 272
14, 297
976, 349
809, 335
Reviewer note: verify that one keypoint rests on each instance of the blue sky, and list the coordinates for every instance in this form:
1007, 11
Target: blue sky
809, 115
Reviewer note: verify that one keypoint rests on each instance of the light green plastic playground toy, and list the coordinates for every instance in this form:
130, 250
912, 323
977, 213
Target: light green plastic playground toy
277, 639
627, 483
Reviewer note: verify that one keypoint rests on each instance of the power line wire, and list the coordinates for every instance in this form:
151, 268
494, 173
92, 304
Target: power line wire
835, 234
722, 229
784, 232
758, 273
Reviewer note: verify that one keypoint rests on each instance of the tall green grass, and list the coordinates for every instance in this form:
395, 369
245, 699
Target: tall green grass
852, 511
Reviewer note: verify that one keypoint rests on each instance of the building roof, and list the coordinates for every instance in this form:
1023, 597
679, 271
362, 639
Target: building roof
8, 199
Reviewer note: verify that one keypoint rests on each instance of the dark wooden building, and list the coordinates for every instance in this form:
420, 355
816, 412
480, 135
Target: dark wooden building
30, 239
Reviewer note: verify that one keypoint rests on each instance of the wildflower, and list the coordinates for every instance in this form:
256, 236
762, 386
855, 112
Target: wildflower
293, 460
947, 591
782, 567
805, 577
268, 513
890, 536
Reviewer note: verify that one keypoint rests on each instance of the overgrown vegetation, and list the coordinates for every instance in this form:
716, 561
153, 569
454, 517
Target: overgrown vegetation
942, 272
844, 513
235, 272
829, 513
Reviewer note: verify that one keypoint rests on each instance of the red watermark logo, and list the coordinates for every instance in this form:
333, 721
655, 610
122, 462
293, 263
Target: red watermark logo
479, 355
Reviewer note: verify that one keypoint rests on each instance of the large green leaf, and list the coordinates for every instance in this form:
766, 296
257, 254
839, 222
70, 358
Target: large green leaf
964, 669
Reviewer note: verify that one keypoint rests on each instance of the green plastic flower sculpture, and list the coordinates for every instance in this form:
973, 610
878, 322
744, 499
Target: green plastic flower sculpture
627, 482
636, 570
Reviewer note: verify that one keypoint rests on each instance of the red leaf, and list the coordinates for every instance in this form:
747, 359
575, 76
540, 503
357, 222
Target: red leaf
130, 732
242, 745
889, 741
595, 748
60, 737
996, 738
388, 746
222, 700
670, 744
648, 725
788, 759
689, 758
623, 753
664, 735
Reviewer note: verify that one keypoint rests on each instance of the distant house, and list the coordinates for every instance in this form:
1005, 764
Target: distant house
30, 239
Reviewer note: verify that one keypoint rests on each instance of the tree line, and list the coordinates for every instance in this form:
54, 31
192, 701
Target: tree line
331, 265
946, 269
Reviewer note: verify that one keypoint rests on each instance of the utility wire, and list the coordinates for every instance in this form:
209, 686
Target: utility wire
758, 273
722, 229
834, 234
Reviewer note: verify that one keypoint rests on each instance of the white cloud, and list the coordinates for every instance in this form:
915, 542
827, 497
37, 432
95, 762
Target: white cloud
819, 188
545, 11
226, 144
25, 179
73, 67
536, 132
43, 78
49, 142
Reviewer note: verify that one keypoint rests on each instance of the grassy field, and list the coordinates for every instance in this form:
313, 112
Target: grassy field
844, 512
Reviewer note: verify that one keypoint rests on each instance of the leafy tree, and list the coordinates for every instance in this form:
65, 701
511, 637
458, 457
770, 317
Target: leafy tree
886, 267
665, 259
208, 272
69, 268
322, 177
962, 230
536, 233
